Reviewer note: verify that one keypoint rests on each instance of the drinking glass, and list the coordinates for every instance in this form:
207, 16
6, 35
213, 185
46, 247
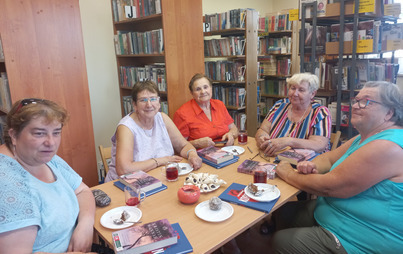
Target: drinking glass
134, 195
243, 137
171, 171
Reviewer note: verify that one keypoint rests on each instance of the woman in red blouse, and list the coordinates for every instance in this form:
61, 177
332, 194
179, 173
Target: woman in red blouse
203, 120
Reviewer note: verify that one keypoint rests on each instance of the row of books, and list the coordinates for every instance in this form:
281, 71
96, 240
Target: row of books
225, 70
129, 75
226, 20
273, 45
126, 9
274, 87
265, 105
275, 22
344, 111
239, 119
231, 96
150, 42
274, 66
5, 99
226, 46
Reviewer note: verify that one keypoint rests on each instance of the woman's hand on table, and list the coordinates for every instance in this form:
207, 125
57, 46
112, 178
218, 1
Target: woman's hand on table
283, 169
273, 146
229, 137
164, 160
203, 142
307, 167
195, 161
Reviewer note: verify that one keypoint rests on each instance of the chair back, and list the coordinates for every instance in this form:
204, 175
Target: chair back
106, 153
334, 140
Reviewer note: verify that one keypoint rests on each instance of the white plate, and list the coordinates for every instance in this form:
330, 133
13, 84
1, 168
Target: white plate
238, 150
185, 168
116, 213
204, 212
267, 195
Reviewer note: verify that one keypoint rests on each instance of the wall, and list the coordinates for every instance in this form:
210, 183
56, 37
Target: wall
96, 19
213, 6
285, 4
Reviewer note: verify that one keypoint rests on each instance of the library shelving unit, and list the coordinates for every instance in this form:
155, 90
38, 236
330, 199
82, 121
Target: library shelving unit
233, 67
3, 85
166, 43
350, 68
277, 58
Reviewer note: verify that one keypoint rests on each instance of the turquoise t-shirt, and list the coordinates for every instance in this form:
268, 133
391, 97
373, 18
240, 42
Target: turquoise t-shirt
370, 222
27, 201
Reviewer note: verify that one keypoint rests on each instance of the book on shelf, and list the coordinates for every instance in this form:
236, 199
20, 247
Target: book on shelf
127, 9
296, 155
215, 154
183, 246
321, 33
235, 194
250, 166
146, 181
144, 238
321, 8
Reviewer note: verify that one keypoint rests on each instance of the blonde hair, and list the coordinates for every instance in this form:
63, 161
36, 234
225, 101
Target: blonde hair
313, 80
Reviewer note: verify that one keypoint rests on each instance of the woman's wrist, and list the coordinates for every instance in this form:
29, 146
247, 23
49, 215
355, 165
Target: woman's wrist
156, 162
189, 151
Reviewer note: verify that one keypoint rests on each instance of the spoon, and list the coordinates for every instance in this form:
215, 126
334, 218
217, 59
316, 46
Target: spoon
120, 221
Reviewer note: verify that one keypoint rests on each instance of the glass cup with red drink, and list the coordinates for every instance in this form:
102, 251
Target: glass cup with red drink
171, 171
243, 137
260, 176
134, 195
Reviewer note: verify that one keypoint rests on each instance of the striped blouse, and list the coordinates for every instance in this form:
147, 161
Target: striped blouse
318, 122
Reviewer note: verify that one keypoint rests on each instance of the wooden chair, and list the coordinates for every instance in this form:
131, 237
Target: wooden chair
106, 153
334, 140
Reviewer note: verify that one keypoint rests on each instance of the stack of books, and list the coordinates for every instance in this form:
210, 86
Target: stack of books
296, 155
148, 183
216, 157
154, 237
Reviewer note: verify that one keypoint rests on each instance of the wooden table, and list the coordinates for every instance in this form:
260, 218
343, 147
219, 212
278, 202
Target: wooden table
205, 237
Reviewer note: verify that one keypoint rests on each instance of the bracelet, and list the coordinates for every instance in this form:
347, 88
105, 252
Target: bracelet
156, 162
190, 150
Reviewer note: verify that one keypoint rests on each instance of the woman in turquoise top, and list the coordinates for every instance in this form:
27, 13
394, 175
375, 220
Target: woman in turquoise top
44, 205
360, 185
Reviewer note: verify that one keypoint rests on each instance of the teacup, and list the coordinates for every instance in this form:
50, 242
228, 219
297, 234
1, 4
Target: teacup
134, 195
171, 171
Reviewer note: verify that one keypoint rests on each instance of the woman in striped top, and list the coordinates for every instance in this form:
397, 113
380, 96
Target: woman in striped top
296, 121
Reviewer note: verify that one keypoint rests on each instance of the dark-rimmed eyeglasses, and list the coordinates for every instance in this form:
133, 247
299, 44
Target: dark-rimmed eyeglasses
362, 103
25, 102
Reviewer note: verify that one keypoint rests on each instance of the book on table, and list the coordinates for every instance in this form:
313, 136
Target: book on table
146, 181
296, 155
183, 246
215, 154
144, 238
249, 166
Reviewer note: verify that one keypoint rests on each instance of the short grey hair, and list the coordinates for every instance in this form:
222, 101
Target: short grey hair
391, 96
313, 80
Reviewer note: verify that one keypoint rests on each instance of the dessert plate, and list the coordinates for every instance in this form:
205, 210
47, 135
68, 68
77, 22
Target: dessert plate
235, 150
116, 213
184, 168
204, 212
266, 195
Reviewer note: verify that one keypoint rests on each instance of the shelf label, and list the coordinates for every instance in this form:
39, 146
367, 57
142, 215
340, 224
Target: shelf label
293, 14
365, 46
130, 12
206, 27
394, 44
392, 9
366, 6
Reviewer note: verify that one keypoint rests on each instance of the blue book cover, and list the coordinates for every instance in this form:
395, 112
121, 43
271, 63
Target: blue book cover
221, 165
235, 194
181, 247
148, 193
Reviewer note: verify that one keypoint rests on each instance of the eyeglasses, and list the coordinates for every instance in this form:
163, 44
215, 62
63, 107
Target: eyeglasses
362, 103
151, 99
25, 102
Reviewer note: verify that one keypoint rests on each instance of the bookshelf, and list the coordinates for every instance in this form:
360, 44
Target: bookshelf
277, 58
166, 47
342, 62
5, 100
231, 62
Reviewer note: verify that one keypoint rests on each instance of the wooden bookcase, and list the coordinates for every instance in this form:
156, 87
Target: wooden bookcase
44, 55
181, 22
249, 60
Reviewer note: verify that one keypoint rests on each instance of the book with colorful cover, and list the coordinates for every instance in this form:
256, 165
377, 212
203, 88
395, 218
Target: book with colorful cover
221, 165
183, 246
235, 194
146, 181
144, 238
249, 166
296, 155
215, 154
148, 193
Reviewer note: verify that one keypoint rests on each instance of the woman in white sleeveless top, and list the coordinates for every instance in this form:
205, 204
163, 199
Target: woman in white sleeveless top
146, 138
